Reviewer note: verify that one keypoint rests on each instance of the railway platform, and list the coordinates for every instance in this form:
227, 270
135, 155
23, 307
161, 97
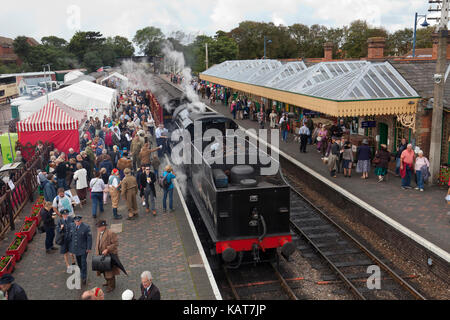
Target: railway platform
165, 245
422, 214
425, 213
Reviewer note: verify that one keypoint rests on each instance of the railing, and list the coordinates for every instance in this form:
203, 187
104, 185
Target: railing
25, 182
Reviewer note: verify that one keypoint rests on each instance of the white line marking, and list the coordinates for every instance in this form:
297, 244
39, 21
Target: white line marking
207, 267
409, 233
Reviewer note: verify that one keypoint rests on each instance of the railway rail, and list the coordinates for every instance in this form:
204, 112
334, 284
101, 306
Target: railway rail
256, 289
345, 256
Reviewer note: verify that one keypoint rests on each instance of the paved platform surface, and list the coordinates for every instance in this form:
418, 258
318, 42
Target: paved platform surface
163, 245
426, 214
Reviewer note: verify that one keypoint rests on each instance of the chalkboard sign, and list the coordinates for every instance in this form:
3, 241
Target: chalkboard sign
369, 124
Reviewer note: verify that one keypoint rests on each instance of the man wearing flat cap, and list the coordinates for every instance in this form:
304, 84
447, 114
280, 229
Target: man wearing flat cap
80, 244
107, 244
129, 191
11, 290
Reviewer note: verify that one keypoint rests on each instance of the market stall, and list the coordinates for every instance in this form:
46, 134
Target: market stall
56, 123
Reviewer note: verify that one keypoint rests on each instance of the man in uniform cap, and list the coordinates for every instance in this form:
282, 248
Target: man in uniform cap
129, 191
11, 290
80, 244
105, 245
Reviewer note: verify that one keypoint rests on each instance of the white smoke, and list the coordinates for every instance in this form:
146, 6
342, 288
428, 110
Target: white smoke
139, 75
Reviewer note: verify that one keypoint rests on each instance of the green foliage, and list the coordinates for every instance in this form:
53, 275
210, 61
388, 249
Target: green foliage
149, 41
358, 32
54, 41
83, 42
16, 243
4, 261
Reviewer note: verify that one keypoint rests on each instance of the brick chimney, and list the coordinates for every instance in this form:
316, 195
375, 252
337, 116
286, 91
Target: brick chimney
436, 45
328, 49
376, 47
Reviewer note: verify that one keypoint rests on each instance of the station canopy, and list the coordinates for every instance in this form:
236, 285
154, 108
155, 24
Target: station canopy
337, 81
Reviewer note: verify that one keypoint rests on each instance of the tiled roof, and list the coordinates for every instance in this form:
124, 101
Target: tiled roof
419, 74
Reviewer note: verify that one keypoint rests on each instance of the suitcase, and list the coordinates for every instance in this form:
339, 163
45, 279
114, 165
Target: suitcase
101, 263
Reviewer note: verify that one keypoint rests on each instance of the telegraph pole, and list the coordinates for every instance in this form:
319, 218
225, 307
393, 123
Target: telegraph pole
439, 86
206, 55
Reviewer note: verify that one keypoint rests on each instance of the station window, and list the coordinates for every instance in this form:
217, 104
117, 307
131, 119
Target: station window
2, 93
401, 133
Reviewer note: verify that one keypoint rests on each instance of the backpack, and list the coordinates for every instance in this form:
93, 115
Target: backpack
164, 183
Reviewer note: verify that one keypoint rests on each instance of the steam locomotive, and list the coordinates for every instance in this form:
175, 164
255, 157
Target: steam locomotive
245, 210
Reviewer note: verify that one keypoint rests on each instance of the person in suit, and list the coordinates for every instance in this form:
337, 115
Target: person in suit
107, 244
80, 244
146, 183
12, 291
63, 226
148, 289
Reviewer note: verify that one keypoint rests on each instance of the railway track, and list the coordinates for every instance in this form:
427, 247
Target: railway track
350, 261
265, 285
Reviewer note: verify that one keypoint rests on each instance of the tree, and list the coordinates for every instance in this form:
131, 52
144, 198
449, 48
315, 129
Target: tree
149, 41
92, 60
54, 42
121, 46
355, 45
400, 42
83, 42
22, 47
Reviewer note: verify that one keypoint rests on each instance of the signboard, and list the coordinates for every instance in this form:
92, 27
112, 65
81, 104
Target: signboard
310, 113
369, 124
6, 147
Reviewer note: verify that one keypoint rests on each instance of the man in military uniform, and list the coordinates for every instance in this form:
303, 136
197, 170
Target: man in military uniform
129, 191
107, 244
11, 291
136, 146
80, 244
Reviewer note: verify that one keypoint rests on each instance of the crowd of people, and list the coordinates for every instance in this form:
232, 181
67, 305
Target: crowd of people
331, 141
116, 160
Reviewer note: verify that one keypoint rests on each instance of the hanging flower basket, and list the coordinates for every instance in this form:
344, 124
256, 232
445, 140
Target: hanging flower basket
29, 228
7, 264
444, 175
17, 246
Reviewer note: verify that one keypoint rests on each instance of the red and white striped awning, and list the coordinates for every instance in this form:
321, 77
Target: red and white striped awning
52, 117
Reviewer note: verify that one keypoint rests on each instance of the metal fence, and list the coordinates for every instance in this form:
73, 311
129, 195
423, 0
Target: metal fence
25, 182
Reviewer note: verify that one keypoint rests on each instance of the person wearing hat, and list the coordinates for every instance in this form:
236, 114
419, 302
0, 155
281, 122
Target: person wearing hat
129, 188
363, 155
136, 147
128, 295
62, 229
381, 160
80, 244
12, 291
105, 245
124, 163
113, 189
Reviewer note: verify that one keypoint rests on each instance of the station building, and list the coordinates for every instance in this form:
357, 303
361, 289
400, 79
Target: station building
380, 98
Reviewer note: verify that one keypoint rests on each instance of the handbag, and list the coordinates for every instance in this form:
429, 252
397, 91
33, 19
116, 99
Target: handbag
376, 160
101, 263
59, 240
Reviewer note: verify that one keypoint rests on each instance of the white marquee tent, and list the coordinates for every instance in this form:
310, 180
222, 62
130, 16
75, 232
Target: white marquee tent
93, 98
123, 79
73, 75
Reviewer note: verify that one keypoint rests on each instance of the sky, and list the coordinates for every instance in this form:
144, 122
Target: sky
113, 17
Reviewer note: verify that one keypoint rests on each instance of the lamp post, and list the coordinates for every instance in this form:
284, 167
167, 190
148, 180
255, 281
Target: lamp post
268, 41
424, 24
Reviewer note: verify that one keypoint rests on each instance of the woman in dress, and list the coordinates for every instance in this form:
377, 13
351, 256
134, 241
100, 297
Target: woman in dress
321, 137
381, 160
364, 157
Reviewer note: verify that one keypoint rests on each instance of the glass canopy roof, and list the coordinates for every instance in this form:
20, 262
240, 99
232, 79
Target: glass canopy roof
340, 80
